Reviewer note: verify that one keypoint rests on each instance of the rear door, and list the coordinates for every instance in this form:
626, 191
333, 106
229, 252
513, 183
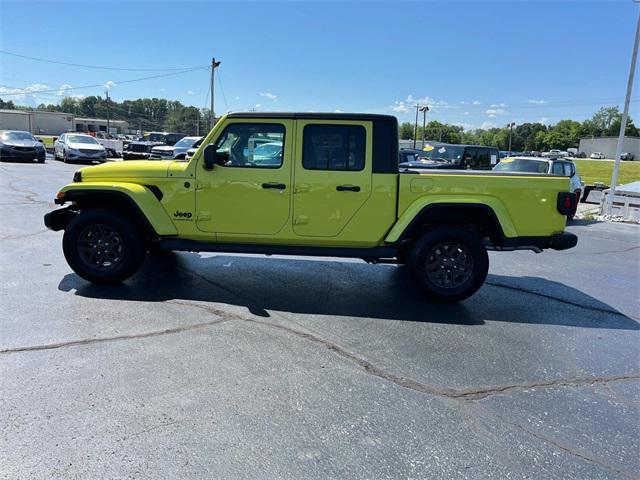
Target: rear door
332, 176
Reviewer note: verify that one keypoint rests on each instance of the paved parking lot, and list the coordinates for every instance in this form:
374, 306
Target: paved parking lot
230, 366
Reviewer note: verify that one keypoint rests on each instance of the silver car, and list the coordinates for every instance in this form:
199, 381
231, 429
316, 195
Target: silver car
76, 147
174, 152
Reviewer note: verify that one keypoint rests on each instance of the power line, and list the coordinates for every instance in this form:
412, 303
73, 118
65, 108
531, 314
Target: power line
95, 67
119, 82
224, 97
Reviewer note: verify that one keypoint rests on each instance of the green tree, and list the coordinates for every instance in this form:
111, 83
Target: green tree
406, 131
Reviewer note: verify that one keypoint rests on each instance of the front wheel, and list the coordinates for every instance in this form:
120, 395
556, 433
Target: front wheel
449, 263
103, 246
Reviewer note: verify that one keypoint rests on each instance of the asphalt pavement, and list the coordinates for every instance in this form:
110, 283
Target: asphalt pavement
243, 366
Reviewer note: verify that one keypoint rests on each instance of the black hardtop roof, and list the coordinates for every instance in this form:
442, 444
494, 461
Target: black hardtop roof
314, 115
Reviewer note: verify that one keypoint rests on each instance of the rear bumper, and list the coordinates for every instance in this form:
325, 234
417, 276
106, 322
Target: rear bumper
557, 241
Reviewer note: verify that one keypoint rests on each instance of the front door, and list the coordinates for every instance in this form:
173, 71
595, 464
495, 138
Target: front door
249, 191
332, 175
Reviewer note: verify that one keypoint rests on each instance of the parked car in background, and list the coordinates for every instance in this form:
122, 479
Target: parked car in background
407, 155
554, 153
194, 148
597, 156
76, 147
551, 166
626, 156
141, 149
455, 157
20, 145
175, 152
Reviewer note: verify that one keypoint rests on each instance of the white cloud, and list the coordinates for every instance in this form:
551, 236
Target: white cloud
62, 90
236, 97
466, 113
493, 112
110, 84
487, 125
466, 126
543, 120
498, 105
409, 104
537, 102
476, 102
189, 92
26, 93
399, 107
464, 103
270, 96
257, 105
338, 111
163, 89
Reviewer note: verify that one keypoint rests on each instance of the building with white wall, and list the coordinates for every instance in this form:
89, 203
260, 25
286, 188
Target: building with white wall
608, 145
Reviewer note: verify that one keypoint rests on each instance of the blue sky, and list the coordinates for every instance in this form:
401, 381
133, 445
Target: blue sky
475, 63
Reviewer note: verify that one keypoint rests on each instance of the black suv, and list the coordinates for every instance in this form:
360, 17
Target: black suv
141, 149
455, 157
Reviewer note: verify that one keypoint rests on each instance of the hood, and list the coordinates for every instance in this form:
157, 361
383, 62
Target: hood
126, 170
21, 143
85, 146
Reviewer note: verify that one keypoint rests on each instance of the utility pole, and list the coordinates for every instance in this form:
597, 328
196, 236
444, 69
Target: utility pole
415, 130
623, 124
108, 113
212, 114
511, 125
424, 111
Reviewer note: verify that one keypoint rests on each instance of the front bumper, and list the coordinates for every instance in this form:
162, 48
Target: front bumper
58, 219
135, 155
10, 155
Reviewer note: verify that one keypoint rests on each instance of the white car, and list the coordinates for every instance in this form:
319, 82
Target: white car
76, 147
597, 156
174, 152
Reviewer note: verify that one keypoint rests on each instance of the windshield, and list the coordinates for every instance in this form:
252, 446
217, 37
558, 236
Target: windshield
15, 136
442, 153
81, 139
154, 137
186, 142
522, 165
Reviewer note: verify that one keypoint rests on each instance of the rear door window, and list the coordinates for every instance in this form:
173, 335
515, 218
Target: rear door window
333, 147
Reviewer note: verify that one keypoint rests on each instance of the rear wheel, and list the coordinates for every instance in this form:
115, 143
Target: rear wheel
449, 263
103, 246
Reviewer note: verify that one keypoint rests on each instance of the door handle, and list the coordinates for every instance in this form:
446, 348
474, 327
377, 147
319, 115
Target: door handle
348, 188
277, 186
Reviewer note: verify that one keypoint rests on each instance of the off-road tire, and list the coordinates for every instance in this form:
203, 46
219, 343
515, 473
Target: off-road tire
109, 262
449, 263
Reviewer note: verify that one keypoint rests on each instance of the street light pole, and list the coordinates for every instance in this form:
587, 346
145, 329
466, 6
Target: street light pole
415, 130
623, 124
424, 111
511, 124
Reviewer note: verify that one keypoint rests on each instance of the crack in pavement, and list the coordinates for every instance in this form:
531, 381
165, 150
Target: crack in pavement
223, 317
25, 235
587, 457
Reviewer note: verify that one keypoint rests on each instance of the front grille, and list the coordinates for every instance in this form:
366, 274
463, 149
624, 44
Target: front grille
88, 151
24, 149
138, 148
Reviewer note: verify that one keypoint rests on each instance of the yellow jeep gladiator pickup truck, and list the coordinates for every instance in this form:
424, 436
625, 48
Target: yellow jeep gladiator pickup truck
323, 184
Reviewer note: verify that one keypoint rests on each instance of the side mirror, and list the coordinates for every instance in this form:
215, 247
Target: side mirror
210, 156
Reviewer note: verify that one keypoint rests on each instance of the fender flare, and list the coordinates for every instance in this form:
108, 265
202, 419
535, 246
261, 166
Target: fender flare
418, 209
142, 201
